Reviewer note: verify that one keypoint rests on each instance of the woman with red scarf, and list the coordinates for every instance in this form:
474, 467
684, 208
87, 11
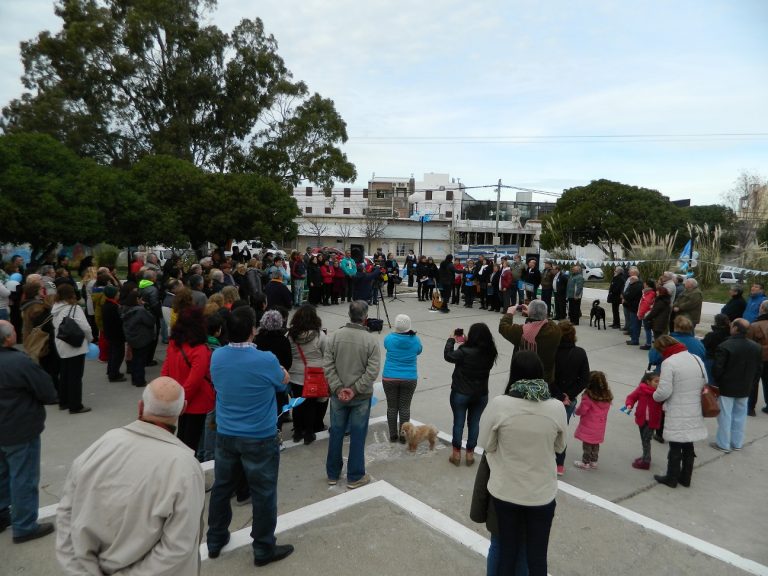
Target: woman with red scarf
326, 271
683, 376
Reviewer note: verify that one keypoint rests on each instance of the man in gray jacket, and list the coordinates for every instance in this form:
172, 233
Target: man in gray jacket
352, 361
737, 368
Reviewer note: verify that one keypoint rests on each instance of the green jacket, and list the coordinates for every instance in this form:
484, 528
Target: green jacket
575, 286
547, 342
689, 304
352, 360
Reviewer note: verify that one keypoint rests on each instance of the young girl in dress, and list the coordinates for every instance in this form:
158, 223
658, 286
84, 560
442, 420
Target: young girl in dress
647, 415
593, 416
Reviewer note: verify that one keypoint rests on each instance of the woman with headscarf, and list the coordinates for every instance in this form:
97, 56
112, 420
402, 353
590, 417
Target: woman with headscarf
521, 432
680, 384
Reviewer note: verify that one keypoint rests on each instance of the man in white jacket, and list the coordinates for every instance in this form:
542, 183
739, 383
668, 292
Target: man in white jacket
133, 501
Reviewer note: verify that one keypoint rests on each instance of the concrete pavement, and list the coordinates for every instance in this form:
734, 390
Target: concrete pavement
414, 516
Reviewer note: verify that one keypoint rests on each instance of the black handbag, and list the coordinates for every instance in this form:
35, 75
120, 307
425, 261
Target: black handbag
69, 330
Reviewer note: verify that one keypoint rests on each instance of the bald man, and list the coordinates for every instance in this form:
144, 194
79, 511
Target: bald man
133, 501
24, 388
737, 368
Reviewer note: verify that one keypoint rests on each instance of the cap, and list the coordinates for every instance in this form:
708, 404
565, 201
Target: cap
402, 324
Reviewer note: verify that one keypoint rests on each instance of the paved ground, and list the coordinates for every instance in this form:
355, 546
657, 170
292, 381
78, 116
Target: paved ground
414, 517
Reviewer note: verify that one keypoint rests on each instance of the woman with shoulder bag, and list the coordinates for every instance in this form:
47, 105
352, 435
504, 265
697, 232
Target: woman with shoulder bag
308, 348
66, 310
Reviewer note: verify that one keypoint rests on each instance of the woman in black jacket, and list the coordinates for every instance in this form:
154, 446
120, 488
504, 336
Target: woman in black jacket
735, 307
315, 281
422, 274
614, 295
469, 386
658, 317
571, 377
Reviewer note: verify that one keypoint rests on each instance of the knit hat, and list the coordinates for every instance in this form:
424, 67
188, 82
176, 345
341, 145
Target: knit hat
272, 320
402, 324
110, 291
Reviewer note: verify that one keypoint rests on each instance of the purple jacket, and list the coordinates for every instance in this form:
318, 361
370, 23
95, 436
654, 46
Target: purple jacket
593, 418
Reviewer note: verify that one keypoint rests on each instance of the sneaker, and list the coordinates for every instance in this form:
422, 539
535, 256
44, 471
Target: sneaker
583, 465
281, 551
333, 481
717, 447
639, 464
560, 470
735, 449
359, 483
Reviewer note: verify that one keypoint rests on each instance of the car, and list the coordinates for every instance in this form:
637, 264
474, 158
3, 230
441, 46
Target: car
729, 277
593, 273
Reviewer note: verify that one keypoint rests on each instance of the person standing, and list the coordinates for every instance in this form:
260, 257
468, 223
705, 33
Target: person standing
633, 294
352, 361
547, 277
736, 370
483, 274
680, 384
349, 267
472, 361
689, 303
24, 390
518, 294
393, 269
756, 297
456, 286
574, 291
400, 374
736, 304
614, 295
446, 276
246, 379
133, 501
139, 331
758, 332
410, 267
72, 357
113, 334
298, 275
532, 279
560, 287
538, 334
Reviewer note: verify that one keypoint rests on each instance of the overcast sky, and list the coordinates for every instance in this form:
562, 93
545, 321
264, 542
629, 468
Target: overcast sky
542, 94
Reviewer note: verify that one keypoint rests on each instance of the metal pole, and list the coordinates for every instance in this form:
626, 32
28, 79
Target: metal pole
498, 203
421, 238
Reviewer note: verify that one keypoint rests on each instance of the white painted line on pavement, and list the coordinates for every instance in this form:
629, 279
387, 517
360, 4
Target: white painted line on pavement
381, 489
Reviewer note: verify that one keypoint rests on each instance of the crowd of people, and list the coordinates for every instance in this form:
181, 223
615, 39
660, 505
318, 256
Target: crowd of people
244, 337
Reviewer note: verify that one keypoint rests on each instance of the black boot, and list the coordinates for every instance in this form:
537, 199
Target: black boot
687, 470
673, 466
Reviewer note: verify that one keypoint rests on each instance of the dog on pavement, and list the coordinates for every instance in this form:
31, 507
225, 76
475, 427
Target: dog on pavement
597, 314
414, 435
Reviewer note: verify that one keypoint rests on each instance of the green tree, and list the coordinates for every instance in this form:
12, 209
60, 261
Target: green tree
603, 212
712, 215
44, 198
126, 78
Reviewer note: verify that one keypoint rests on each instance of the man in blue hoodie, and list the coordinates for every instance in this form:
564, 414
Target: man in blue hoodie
756, 297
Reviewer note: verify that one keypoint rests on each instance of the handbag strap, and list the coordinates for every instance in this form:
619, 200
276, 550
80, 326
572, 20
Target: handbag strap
301, 353
189, 364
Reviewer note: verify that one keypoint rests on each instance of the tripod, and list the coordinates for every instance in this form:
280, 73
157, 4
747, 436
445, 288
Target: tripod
394, 294
383, 303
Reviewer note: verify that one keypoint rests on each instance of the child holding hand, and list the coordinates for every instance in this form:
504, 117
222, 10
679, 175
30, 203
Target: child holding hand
593, 417
647, 415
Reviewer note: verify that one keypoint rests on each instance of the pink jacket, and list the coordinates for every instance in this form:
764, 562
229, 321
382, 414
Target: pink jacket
593, 418
648, 410
646, 303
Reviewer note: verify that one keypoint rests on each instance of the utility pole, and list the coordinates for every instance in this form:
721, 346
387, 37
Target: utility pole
498, 204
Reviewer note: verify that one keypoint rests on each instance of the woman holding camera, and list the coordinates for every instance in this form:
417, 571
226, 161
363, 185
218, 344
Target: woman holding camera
473, 361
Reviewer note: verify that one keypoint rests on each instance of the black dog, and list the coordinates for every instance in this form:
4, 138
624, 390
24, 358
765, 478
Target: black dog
597, 313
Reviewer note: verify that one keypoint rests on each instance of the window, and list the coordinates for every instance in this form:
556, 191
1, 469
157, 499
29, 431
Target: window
379, 194
403, 247
428, 195
449, 213
308, 210
365, 192
346, 211
347, 192
327, 210
449, 194
309, 190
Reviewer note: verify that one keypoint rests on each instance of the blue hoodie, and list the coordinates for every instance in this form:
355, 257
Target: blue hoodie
402, 350
753, 306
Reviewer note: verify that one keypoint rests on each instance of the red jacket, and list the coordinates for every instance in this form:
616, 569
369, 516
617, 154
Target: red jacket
647, 410
506, 278
646, 303
327, 273
457, 277
193, 373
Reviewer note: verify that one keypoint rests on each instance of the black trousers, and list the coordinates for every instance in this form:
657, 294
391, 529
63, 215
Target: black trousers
559, 306
616, 313
574, 310
483, 294
190, 429
71, 382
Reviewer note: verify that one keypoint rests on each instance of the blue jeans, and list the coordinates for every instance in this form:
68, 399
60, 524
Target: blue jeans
260, 460
19, 479
731, 422
298, 290
535, 523
569, 410
648, 333
466, 408
4, 314
492, 565
634, 328
352, 415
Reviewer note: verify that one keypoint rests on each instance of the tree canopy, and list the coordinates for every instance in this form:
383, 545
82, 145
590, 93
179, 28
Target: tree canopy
603, 212
124, 79
49, 196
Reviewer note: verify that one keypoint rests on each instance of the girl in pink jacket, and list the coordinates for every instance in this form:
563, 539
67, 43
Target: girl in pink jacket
593, 416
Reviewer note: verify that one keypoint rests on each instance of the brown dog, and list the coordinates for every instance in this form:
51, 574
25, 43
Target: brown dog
416, 434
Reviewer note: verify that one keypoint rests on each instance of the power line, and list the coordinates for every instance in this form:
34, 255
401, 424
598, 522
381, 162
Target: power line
573, 136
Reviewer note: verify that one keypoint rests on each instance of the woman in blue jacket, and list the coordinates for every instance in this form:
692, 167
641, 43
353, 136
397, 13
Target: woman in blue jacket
400, 374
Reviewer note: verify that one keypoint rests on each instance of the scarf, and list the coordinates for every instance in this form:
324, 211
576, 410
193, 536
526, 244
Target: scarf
534, 390
530, 331
673, 349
